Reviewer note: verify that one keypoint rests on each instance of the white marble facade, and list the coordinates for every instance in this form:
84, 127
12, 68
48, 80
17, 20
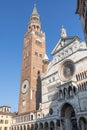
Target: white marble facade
64, 85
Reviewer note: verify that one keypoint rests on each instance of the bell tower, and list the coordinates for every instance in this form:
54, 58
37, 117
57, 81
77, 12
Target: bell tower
32, 62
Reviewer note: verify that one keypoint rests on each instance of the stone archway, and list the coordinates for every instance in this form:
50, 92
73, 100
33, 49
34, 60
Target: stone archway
68, 118
58, 124
24, 127
41, 126
46, 126
32, 126
51, 125
36, 126
82, 123
17, 127
28, 127
20, 127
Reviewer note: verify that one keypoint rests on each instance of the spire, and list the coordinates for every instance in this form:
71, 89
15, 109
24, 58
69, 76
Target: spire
35, 10
34, 20
46, 57
63, 32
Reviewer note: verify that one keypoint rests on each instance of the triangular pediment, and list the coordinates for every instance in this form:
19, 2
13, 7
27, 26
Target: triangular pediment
63, 42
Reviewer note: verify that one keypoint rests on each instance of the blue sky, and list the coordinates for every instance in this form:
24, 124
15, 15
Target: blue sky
14, 19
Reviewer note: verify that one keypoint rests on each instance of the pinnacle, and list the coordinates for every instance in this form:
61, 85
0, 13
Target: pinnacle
35, 10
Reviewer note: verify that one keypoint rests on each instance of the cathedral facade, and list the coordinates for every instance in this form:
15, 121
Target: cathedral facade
64, 85
53, 94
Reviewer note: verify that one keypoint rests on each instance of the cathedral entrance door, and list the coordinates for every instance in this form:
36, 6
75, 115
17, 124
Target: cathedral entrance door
68, 113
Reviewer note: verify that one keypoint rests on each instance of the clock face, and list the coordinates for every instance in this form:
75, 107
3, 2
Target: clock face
25, 86
67, 70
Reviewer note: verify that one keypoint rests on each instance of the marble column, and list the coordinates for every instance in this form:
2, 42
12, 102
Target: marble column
38, 126
78, 126
55, 127
22, 127
19, 127
48, 125
82, 125
60, 125
68, 124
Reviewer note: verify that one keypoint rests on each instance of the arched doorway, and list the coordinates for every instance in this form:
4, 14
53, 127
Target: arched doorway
24, 127
58, 124
36, 126
17, 127
82, 123
51, 125
32, 126
68, 118
28, 127
41, 126
12, 127
46, 126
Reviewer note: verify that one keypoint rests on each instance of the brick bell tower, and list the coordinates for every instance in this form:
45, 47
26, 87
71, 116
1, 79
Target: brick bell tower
32, 62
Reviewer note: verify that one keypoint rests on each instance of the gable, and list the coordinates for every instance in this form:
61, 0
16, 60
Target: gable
63, 42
